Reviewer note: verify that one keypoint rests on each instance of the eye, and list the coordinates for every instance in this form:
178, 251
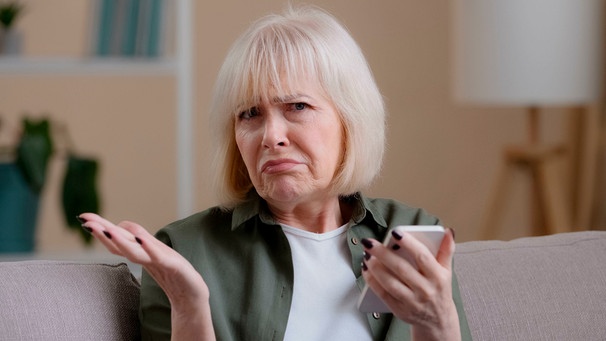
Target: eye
249, 113
299, 106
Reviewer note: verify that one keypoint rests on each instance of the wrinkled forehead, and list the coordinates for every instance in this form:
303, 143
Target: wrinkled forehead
275, 85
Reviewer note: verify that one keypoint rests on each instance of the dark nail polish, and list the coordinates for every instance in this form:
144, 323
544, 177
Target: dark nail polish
81, 220
366, 255
109, 236
396, 235
395, 247
452, 231
138, 240
367, 243
364, 267
87, 229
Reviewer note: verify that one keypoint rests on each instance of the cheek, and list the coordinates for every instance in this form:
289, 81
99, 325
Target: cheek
334, 138
246, 148
329, 147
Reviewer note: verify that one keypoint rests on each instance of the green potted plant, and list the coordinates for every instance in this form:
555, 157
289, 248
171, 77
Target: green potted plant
23, 177
10, 39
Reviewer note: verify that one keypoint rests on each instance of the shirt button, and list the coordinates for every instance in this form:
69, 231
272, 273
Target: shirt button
354, 241
376, 315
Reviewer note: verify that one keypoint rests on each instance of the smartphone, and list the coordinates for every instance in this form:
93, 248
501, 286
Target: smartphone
430, 235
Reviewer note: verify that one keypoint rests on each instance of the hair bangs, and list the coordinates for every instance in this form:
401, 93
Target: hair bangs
278, 58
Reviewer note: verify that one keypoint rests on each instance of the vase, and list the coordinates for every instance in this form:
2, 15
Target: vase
11, 42
18, 211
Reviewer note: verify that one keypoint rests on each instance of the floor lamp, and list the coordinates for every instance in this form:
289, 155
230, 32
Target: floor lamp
530, 54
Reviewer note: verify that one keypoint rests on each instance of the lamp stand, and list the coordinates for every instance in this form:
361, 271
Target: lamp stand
552, 213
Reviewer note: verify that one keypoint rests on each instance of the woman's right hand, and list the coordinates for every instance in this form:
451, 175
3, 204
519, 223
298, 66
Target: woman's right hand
183, 285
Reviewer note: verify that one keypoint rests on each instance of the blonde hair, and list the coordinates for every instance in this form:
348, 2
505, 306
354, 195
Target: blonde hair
274, 53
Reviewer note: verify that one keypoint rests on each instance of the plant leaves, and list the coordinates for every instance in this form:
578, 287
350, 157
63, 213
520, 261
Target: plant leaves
80, 191
34, 150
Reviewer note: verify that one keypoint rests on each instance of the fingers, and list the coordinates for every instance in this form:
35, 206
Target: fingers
130, 240
415, 253
447, 249
101, 225
124, 239
173, 273
412, 281
97, 226
130, 243
391, 270
152, 246
432, 267
409, 263
390, 284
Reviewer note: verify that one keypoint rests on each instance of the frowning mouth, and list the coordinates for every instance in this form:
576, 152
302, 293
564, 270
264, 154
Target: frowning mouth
279, 165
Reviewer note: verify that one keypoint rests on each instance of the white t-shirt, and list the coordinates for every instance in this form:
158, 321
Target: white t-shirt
325, 291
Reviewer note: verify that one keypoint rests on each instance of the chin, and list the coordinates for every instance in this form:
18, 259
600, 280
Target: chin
282, 195
281, 191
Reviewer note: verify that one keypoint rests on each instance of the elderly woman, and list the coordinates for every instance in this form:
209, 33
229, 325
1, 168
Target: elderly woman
299, 129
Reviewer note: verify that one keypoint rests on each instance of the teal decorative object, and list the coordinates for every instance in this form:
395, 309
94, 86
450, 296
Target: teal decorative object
20, 186
22, 181
18, 211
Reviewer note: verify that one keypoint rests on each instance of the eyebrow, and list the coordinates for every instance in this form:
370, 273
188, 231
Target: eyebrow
289, 98
277, 99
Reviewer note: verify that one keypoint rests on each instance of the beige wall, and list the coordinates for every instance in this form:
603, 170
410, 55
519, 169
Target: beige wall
441, 156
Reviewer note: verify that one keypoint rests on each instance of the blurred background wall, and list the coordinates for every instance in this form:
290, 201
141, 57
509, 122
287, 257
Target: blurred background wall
441, 155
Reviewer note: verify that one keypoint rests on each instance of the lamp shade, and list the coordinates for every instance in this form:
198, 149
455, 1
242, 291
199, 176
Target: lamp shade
527, 52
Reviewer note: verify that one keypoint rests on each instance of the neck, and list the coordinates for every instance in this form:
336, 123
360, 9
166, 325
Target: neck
319, 216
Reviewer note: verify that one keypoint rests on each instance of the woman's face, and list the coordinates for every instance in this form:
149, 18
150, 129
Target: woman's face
292, 145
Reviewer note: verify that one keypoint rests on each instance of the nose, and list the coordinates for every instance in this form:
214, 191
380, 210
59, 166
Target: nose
275, 132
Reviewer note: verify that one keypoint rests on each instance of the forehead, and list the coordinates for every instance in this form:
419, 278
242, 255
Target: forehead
286, 88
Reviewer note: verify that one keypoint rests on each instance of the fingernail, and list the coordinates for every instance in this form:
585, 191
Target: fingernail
80, 219
364, 267
367, 243
109, 236
138, 240
366, 255
395, 247
87, 229
452, 231
396, 235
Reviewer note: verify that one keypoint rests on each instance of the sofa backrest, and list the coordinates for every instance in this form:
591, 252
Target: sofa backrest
538, 288
46, 300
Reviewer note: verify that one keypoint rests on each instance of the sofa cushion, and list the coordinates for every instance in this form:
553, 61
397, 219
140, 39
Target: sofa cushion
538, 288
46, 300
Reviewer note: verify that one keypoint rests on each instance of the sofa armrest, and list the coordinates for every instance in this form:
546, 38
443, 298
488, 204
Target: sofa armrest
538, 288
50, 300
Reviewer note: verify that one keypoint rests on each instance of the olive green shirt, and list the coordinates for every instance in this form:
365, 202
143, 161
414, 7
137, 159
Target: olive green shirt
245, 259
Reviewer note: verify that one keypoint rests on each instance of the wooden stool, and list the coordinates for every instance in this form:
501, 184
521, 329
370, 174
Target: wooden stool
541, 164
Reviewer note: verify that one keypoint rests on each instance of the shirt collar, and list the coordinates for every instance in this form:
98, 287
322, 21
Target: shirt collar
256, 206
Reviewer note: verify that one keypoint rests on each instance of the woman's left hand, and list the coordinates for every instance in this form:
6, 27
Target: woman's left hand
423, 297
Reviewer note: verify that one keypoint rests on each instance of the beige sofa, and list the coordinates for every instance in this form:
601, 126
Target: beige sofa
541, 288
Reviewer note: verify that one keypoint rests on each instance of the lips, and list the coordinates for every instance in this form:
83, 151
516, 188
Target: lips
278, 165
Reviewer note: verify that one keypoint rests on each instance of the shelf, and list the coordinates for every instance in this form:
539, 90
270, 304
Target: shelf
112, 66
180, 67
